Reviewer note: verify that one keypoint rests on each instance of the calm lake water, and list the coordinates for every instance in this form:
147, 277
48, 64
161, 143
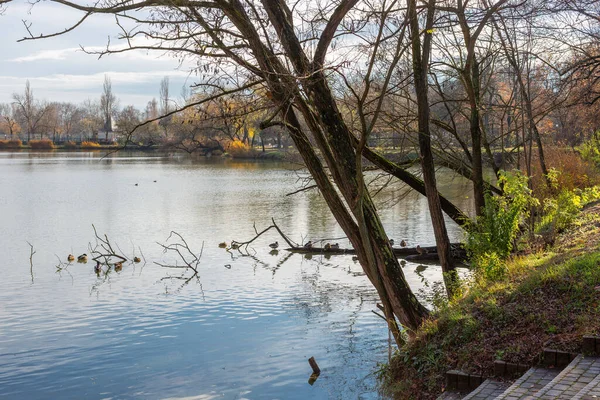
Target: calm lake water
243, 330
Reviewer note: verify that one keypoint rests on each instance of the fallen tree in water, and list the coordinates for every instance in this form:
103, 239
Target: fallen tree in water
418, 253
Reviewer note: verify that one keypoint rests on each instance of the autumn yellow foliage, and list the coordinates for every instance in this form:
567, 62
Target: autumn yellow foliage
90, 145
238, 149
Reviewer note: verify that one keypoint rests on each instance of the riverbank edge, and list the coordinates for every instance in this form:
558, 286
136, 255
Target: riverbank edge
550, 298
271, 154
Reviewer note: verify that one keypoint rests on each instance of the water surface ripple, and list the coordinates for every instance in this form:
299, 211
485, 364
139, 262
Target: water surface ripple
243, 330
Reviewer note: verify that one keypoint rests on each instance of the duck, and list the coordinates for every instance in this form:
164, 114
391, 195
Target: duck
421, 250
82, 258
136, 259
308, 245
70, 257
274, 245
327, 247
118, 266
391, 242
223, 245
403, 262
98, 267
335, 246
403, 243
235, 246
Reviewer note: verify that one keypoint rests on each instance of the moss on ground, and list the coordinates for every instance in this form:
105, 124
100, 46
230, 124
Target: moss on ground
548, 299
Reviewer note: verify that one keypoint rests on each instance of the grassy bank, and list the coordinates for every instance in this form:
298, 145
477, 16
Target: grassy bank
547, 299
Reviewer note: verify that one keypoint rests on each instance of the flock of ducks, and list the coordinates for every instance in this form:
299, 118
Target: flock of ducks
336, 246
83, 259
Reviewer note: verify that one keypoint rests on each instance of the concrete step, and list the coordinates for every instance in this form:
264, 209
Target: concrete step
571, 380
530, 383
590, 391
451, 396
489, 389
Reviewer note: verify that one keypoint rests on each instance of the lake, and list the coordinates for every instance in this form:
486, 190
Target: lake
243, 329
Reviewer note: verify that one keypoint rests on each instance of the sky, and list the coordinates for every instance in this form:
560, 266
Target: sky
58, 70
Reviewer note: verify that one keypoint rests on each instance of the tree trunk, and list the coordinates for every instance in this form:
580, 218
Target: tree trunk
420, 66
382, 269
478, 189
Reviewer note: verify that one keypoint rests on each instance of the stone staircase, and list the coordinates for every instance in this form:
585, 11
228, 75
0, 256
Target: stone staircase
561, 376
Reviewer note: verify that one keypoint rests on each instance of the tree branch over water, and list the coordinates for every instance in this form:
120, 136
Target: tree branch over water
104, 249
235, 244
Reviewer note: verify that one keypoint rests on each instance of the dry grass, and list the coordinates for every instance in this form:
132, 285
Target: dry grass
11, 144
43, 144
90, 145
548, 300
575, 172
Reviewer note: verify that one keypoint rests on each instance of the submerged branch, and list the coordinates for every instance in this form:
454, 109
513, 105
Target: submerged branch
236, 244
31, 253
184, 252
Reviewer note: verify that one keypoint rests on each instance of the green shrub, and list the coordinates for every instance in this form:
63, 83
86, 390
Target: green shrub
561, 211
590, 149
490, 239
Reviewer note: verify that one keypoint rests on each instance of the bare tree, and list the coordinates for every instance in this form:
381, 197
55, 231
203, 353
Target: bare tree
70, 117
108, 105
92, 119
29, 112
165, 105
8, 120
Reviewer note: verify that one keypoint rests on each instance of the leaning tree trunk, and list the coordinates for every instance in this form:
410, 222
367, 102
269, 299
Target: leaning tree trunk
382, 267
376, 251
420, 65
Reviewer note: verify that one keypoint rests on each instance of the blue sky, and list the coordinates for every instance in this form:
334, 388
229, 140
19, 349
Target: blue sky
59, 71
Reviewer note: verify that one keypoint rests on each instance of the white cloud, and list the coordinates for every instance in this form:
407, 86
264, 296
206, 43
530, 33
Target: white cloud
67, 53
81, 81
59, 54
135, 88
